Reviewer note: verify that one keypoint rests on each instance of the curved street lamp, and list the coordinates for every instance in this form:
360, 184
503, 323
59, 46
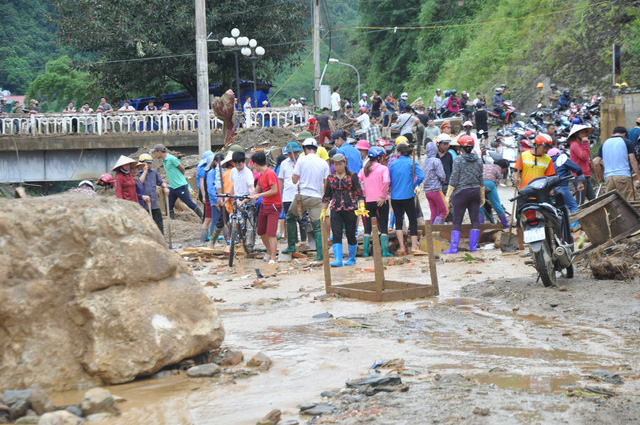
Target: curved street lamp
332, 60
236, 43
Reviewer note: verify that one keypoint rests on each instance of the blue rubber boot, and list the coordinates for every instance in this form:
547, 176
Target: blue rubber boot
384, 244
337, 254
352, 255
474, 237
438, 220
365, 246
481, 218
503, 220
455, 240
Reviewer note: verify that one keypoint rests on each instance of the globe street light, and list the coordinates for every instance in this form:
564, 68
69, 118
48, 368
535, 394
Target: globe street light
236, 43
332, 60
253, 53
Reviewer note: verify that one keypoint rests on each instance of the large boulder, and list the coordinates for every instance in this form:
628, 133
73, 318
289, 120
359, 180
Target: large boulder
90, 295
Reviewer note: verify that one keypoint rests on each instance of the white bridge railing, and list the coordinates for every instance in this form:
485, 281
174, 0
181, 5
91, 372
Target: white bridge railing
140, 122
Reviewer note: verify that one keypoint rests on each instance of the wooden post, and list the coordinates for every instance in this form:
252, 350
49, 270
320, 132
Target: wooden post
325, 257
377, 258
432, 258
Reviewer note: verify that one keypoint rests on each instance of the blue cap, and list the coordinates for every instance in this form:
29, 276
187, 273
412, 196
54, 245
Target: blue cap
292, 147
205, 155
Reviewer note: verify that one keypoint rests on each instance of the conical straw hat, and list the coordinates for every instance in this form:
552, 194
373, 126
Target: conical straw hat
123, 160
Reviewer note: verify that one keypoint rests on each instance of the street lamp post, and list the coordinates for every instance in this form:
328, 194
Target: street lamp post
254, 53
235, 42
332, 60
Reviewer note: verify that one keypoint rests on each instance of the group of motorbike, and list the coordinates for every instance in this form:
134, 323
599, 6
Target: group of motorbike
541, 213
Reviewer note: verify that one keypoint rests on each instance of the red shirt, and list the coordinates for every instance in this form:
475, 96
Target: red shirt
265, 181
312, 125
126, 187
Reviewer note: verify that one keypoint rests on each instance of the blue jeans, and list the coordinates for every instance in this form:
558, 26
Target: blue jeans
181, 192
569, 201
215, 217
491, 195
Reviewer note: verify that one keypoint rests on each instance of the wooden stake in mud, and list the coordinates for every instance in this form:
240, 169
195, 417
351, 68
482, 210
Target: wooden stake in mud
377, 258
166, 201
325, 257
432, 258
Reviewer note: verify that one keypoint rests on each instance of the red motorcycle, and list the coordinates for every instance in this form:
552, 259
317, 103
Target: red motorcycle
496, 119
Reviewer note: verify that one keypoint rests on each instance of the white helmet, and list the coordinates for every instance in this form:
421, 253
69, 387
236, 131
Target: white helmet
310, 142
87, 183
497, 90
404, 96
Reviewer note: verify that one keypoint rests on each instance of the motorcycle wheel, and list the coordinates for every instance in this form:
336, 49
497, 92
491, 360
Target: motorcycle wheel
544, 265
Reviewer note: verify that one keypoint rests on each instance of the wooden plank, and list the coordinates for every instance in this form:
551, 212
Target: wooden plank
377, 256
593, 205
407, 294
359, 294
432, 258
326, 261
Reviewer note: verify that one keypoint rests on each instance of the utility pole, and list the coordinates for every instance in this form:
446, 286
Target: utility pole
316, 53
202, 64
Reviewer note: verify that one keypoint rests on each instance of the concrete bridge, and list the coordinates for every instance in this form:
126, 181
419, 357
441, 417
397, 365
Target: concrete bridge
65, 147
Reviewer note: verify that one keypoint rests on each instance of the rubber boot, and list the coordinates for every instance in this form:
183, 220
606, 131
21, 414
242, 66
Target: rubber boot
303, 234
352, 255
474, 237
384, 244
337, 255
172, 214
318, 237
455, 240
291, 237
207, 238
203, 235
438, 220
481, 218
365, 246
503, 220
214, 236
198, 211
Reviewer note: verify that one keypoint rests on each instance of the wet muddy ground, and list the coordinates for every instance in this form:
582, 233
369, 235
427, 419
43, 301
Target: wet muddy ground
495, 347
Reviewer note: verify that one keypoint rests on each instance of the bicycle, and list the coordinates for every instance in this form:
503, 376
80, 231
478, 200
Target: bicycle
242, 226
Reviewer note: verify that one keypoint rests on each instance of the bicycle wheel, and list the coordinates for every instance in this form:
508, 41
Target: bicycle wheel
249, 236
232, 240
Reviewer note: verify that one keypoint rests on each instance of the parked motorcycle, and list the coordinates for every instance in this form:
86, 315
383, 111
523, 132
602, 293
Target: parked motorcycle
545, 226
496, 119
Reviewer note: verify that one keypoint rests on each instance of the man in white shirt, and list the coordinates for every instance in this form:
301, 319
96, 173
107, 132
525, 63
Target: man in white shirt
364, 120
241, 177
310, 173
437, 100
406, 122
290, 189
125, 120
335, 103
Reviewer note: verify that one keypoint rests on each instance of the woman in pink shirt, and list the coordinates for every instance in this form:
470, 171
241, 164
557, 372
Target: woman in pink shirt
374, 178
579, 153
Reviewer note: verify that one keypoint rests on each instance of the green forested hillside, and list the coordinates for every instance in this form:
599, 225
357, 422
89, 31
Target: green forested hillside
27, 42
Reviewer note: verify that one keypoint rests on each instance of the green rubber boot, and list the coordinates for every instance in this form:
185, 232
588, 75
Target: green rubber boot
365, 245
291, 237
384, 244
318, 235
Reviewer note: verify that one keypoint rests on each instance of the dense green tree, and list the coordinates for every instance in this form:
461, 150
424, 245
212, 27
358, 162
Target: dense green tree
61, 84
129, 36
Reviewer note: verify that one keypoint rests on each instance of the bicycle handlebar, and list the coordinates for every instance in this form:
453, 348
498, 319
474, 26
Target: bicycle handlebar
242, 197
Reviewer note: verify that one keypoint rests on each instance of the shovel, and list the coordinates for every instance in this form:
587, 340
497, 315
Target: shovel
509, 241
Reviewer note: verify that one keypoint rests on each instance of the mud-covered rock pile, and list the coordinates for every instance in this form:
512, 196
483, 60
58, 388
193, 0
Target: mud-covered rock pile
91, 295
619, 262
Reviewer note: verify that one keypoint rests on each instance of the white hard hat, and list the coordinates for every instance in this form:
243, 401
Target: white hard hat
310, 142
87, 182
364, 95
404, 95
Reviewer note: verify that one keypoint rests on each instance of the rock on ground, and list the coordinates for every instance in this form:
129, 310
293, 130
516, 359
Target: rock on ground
99, 400
61, 417
261, 361
106, 300
203, 371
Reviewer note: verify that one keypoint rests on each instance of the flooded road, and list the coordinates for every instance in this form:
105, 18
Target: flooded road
509, 338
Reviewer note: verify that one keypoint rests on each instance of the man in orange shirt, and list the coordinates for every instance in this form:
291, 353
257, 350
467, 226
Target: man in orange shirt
535, 163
